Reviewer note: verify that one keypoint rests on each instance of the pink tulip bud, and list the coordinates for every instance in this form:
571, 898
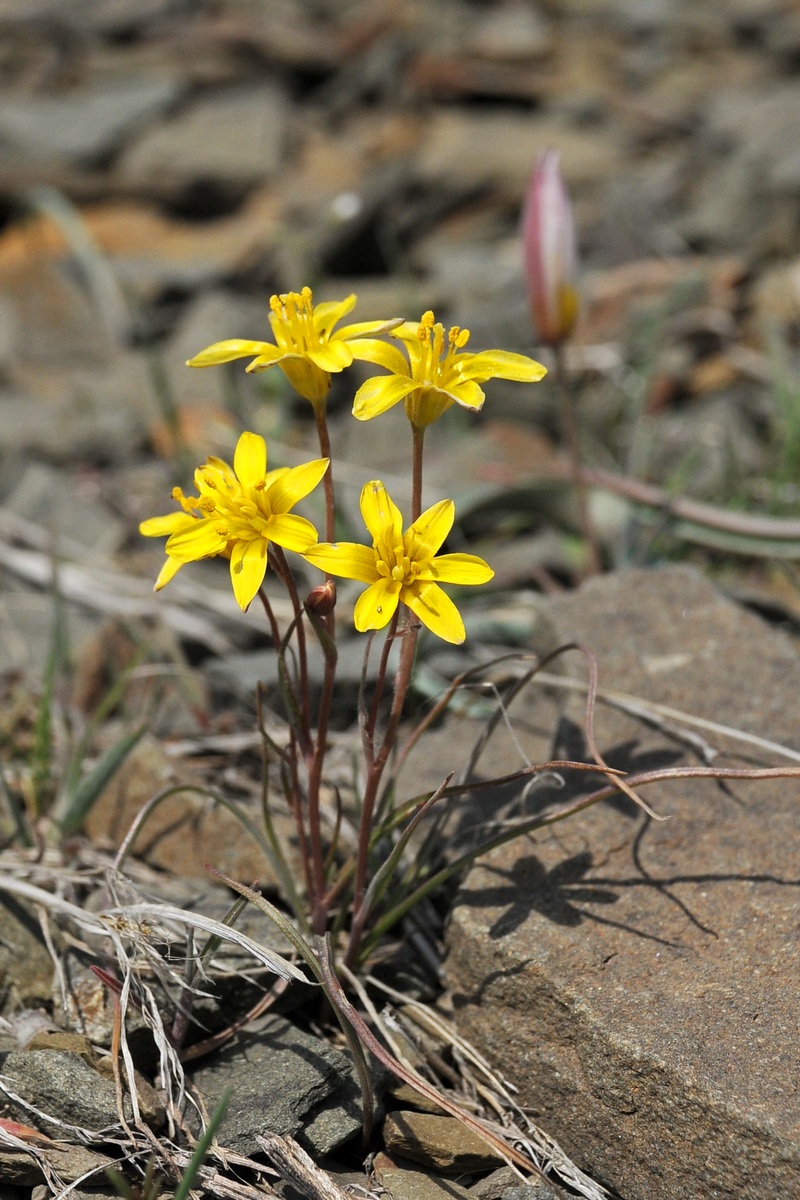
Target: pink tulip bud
551, 261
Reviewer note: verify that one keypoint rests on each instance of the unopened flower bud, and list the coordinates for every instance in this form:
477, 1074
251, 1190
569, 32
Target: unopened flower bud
551, 262
321, 600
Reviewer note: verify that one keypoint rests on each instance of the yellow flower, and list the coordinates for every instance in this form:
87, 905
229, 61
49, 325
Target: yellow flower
237, 513
436, 374
402, 567
307, 348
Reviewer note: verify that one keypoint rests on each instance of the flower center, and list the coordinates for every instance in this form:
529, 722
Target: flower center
294, 321
438, 364
393, 563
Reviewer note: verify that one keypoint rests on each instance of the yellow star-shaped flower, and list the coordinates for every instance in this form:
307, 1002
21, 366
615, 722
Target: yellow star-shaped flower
307, 347
237, 513
435, 372
403, 567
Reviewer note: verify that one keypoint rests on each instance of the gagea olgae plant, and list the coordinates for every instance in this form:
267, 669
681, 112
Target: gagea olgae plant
244, 512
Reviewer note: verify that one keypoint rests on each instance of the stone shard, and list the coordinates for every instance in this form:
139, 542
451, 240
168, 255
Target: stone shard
637, 980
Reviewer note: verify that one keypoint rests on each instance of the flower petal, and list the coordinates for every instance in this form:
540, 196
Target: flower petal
330, 312
248, 568
331, 356
502, 364
164, 526
291, 532
250, 459
347, 559
459, 568
379, 394
222, 352
430, 529
295, 483
306, 378
468, 394
359, 328
270, 356
383, 354
377, 605
168, 571
436, 610
381, 515
204, 539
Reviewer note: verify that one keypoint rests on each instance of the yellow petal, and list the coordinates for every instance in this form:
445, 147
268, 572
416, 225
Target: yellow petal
164, 526
459, 568
347, 559
250, 459
331, 356
292, 532
502, 364
168, 571
248, 567
379, 394
430, 529
377, 605
294, 483
306, 378
222, 352
427, 404
269, 356
382, 354
381, 515
359, 328
436, 610
203, 539
468, 394
330, 312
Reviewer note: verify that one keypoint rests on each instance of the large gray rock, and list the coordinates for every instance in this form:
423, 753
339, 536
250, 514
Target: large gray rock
237, 136
637, 980
284, 1081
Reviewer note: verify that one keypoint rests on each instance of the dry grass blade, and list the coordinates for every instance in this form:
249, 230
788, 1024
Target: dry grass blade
295, 1166
182, 917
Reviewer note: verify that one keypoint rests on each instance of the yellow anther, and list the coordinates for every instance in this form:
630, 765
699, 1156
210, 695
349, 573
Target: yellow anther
210, 482
425, 326
206, 504
461, 338
259, 487
221, 529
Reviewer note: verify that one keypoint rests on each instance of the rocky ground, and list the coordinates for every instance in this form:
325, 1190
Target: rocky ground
165, 167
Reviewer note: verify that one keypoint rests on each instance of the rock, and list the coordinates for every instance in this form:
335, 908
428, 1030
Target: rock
64, 1086
188, 831
26, 968
404, 1184
466, 146
69, 506
437, 1141
68, 1162
81, 126
504, 1184
235, 136
284, 1081
632, 977
511, 31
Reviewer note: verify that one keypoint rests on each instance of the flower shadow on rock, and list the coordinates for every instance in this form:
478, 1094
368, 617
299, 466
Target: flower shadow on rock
528, 887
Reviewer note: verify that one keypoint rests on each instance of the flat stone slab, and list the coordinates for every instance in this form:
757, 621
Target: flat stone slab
638, 980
